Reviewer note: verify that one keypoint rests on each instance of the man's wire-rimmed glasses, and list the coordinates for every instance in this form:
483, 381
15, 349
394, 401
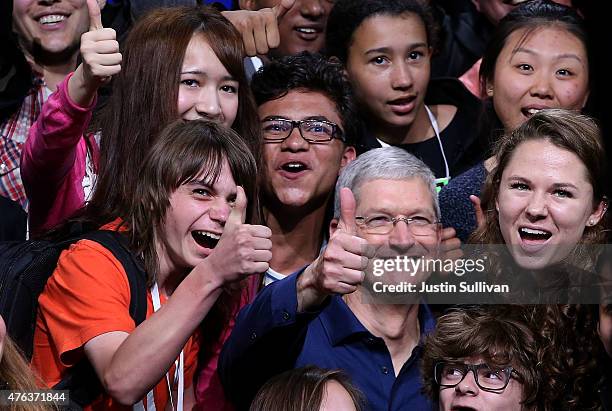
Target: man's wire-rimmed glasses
382, 224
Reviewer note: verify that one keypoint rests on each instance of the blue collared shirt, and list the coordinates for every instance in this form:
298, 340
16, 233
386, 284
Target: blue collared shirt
271, 337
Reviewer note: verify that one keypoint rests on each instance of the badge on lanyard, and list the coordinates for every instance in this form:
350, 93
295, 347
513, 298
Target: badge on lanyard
441, 182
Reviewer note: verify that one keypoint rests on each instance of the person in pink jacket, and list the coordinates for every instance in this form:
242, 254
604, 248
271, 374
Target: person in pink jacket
192, 55
59, 158
177, 63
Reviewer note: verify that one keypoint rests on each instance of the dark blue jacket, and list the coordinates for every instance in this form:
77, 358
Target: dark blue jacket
271, 337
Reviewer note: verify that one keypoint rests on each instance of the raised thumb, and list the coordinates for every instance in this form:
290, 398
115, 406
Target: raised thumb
95, 16
238, 213
348, 210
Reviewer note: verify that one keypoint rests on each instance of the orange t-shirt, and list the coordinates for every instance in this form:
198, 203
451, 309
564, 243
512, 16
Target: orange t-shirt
89, 295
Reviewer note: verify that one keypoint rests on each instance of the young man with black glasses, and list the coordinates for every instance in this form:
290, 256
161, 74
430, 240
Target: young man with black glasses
308, 125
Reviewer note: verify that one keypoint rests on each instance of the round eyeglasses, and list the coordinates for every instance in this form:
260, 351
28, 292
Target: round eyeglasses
313, 131
447, 374
382, 224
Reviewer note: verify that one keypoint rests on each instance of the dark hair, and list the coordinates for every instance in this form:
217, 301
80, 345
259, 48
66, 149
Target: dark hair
183, 151
145, 94
309, 72
567, 340
568, 349
347, 15
498, 334
553, 347
302, 389
565, 129
531, 16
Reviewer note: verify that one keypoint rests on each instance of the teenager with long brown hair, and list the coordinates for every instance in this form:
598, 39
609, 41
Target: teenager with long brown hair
182, 62
545, 211
186, 220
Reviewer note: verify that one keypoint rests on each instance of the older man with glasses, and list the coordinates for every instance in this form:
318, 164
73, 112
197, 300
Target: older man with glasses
329, 314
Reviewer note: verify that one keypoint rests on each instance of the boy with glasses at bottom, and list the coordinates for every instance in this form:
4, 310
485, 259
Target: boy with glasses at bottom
482, 358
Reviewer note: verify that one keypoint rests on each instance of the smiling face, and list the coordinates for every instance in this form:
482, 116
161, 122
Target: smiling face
194, 221
302, 28
388, 64
389, 199
467, 395
299, 173
545, 201
53, 26
409, 198
207, 90
547, 69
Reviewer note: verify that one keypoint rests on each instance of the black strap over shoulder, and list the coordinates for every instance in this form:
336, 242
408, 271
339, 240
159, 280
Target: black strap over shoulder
81, 379
117, 243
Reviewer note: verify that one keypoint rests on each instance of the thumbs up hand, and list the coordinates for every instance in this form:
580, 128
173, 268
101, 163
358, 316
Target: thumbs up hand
101, 58
99, 49
259, 29
243, 249
340, 267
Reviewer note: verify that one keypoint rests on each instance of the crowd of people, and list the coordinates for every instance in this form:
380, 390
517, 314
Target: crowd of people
302, 185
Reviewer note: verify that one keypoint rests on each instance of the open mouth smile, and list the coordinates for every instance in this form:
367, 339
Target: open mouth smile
52, 19
308, 33
536, 235
294, 167
206, 239
533, 240
530, 110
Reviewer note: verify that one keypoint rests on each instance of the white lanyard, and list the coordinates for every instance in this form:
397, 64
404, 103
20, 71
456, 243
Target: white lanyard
434, 125
178, 375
